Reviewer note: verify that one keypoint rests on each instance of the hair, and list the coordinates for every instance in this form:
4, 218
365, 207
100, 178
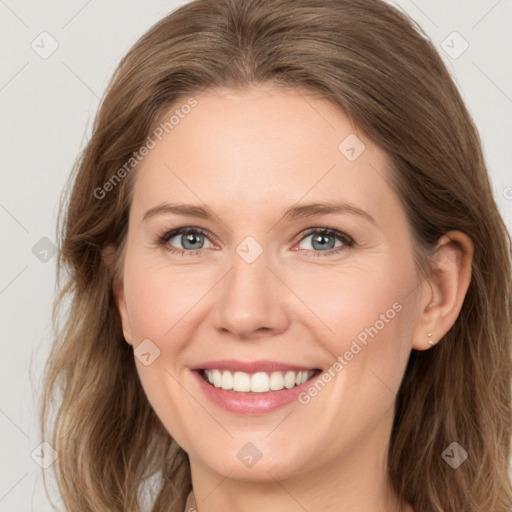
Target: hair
383, 72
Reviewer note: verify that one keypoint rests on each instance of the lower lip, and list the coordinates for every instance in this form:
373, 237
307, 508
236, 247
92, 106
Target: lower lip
250, 403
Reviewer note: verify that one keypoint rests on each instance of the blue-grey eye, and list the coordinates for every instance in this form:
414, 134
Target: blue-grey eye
322, 241
191, 240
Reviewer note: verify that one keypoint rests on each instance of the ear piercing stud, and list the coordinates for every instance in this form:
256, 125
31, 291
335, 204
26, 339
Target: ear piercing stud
430, 342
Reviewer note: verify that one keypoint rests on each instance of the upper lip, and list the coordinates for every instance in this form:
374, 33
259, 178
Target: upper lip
250, 366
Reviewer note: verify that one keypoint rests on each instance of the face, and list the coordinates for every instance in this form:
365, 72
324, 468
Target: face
301, 316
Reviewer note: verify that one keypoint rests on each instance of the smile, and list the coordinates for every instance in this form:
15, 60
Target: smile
252, 388
259, 382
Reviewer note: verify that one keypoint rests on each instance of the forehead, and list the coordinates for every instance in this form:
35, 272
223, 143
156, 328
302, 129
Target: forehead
261, 148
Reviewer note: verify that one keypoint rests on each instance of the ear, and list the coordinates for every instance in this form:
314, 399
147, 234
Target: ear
444, 289
109, 256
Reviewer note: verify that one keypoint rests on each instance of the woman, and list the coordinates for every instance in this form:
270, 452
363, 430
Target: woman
289, 280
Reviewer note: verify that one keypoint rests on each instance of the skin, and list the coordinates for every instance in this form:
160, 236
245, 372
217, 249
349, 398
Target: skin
249, 155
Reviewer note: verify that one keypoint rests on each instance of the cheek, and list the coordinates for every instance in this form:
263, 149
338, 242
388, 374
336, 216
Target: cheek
369, 314
160, 301
160, 307
366, 318
355, 303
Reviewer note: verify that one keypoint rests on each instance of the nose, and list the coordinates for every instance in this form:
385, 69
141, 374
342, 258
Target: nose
251, 302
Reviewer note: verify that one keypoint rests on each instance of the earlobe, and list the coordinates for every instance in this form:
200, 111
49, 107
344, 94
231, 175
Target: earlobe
109, 259
444, 289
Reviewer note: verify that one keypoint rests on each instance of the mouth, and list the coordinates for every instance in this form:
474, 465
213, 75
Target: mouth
253, 388
256, 382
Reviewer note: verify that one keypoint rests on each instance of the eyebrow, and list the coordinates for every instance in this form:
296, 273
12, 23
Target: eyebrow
291, 213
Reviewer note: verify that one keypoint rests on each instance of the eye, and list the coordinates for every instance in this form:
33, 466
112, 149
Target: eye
186, 240
190, 241
326, 241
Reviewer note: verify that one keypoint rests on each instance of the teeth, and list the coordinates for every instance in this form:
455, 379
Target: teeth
289, 380
242, 381
260, 382
217, 378
305, 376
227, 380
276, 381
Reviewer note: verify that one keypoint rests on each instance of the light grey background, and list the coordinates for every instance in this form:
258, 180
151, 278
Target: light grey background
47, 106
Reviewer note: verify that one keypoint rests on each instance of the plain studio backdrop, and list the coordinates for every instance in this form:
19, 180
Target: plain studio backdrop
56, 60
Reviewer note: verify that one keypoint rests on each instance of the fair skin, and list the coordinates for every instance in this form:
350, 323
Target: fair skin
248, 156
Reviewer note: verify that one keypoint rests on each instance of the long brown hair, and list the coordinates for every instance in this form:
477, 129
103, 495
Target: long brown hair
382, 71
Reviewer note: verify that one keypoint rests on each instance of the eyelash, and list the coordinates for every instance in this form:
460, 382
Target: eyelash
343, 237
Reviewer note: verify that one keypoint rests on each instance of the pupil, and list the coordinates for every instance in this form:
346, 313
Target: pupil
322, 240
190, 239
